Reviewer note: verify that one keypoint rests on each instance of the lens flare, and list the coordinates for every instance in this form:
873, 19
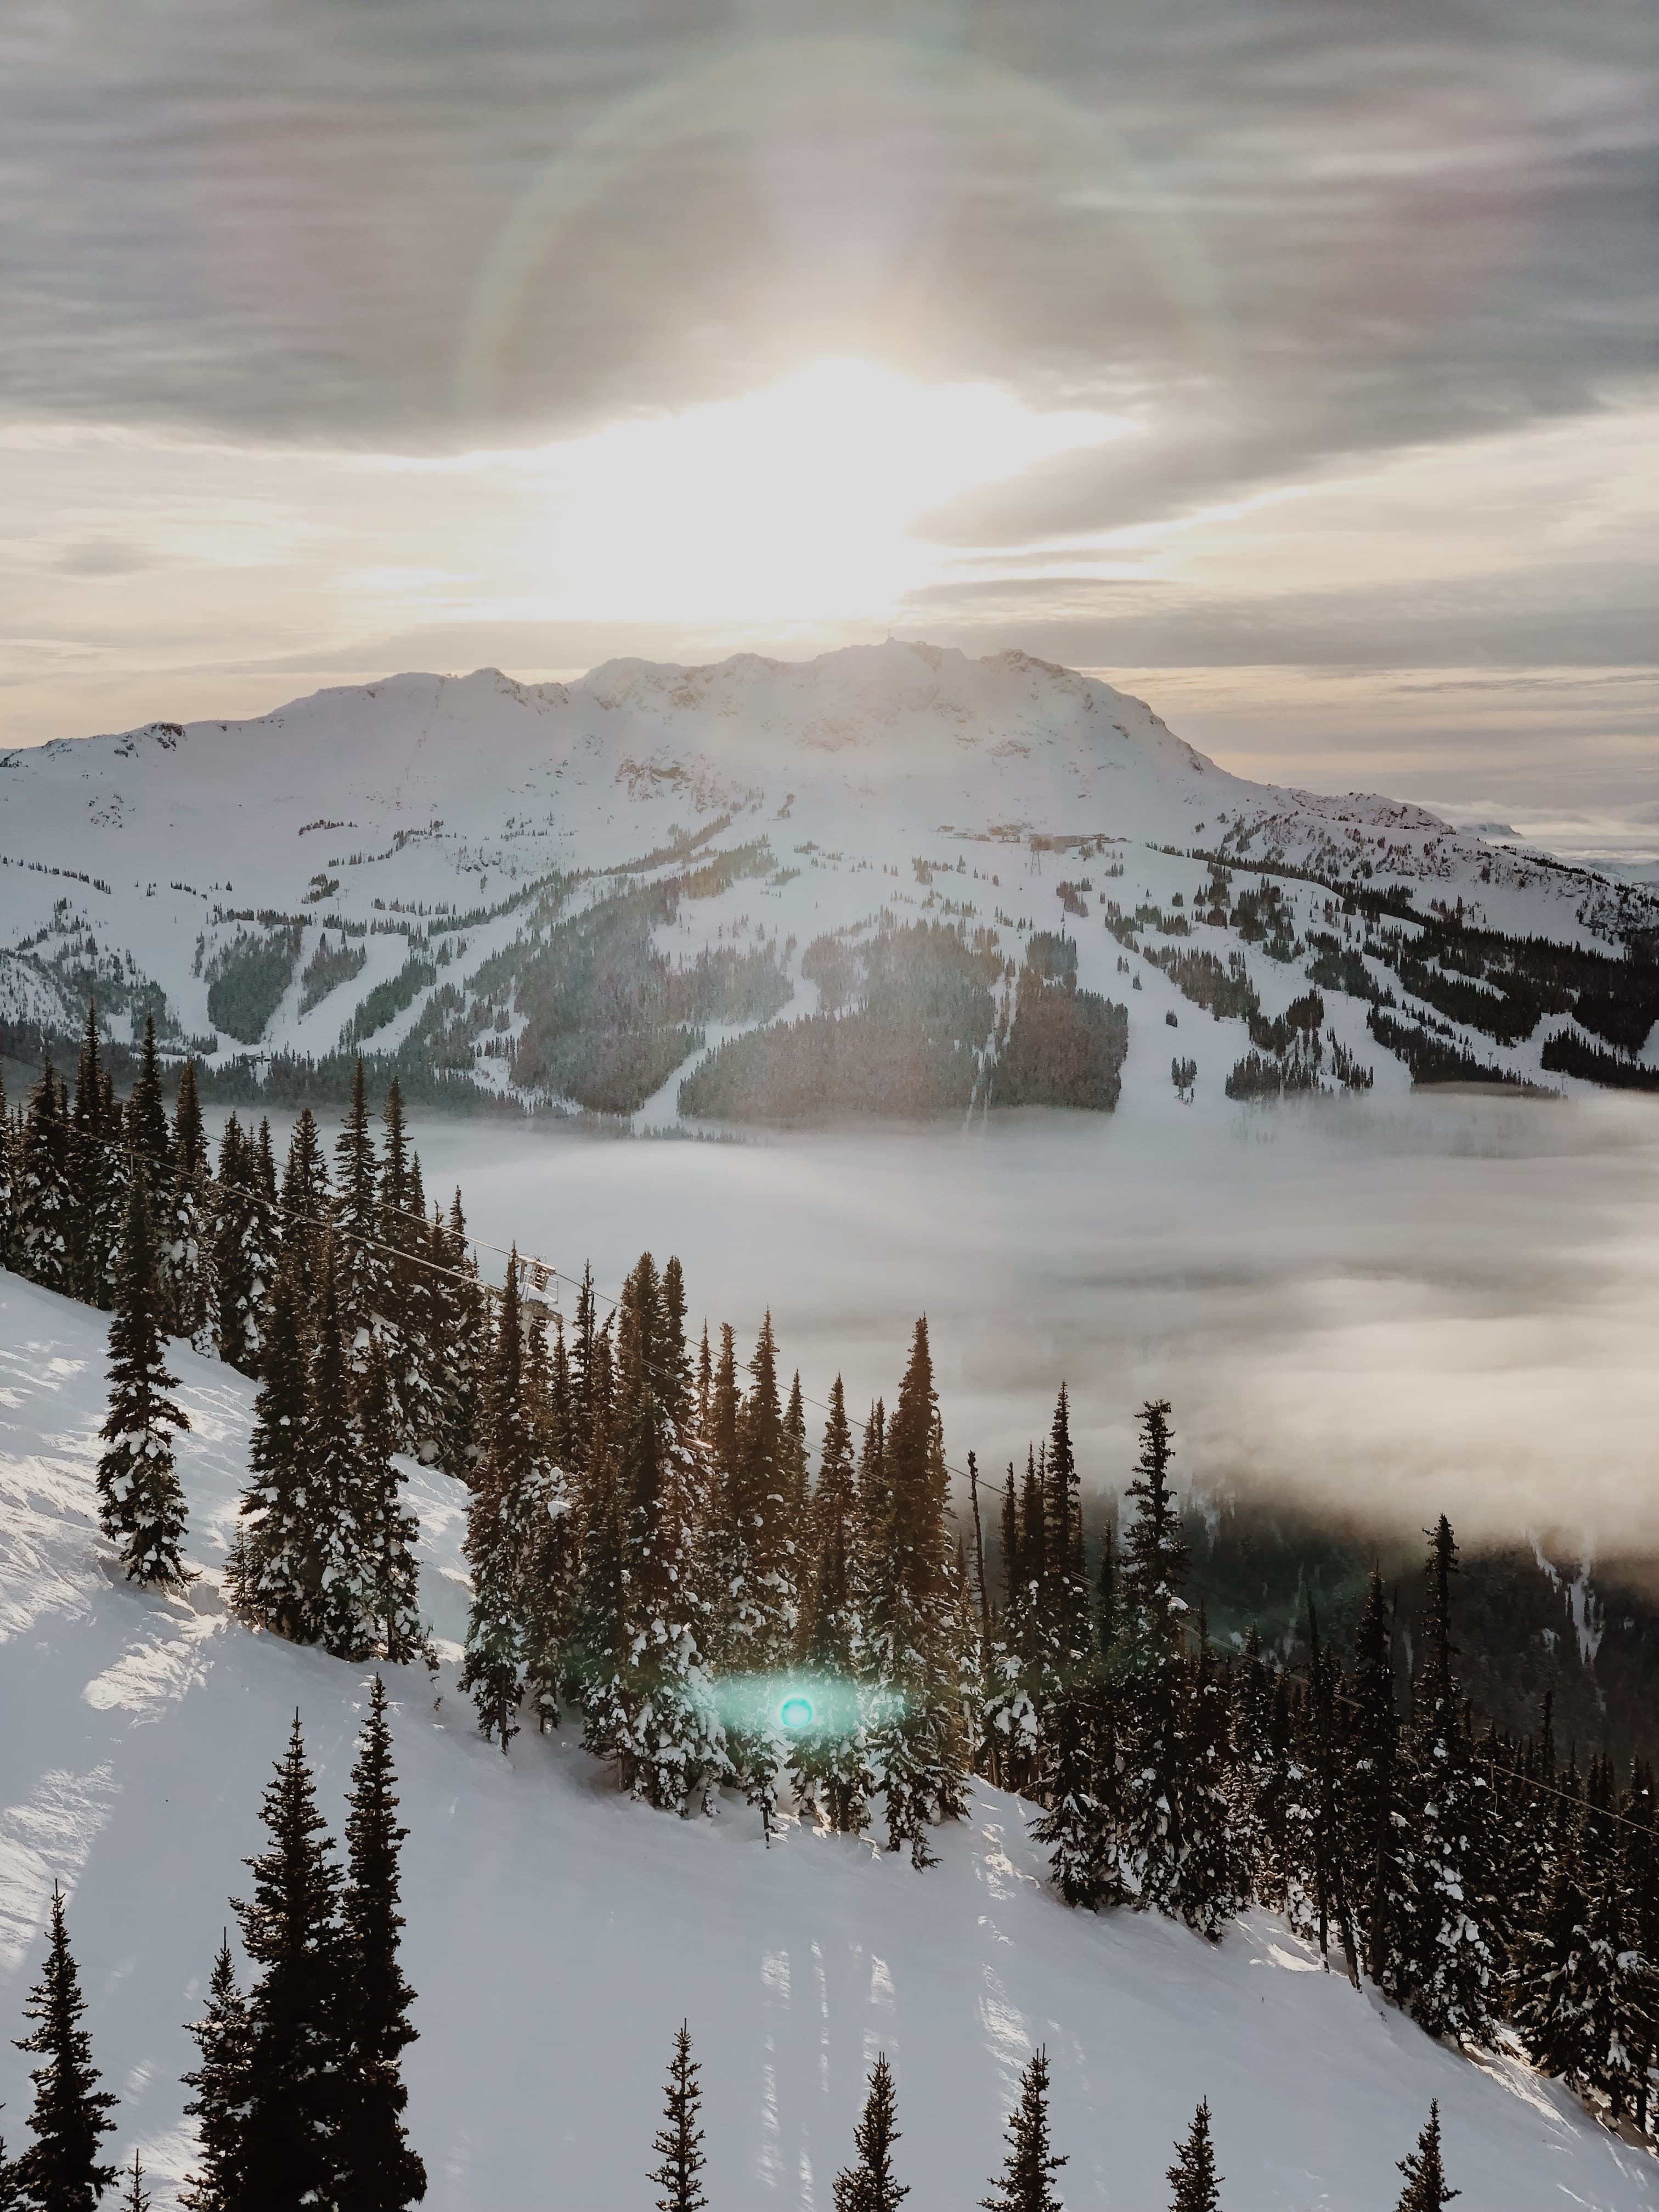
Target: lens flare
796, 1711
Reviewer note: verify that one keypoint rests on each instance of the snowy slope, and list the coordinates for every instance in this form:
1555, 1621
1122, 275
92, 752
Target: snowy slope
558, 1935
424, 794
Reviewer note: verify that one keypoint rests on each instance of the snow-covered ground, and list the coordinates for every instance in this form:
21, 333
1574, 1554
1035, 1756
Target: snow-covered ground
558, 1935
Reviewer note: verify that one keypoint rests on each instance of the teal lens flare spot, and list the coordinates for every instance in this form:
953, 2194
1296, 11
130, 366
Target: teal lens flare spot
796, 1712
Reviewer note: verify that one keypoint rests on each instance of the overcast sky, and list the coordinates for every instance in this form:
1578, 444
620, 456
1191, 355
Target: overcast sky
1293, 364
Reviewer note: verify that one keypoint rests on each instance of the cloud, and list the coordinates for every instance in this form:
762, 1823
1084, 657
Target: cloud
1316, 234
102, 556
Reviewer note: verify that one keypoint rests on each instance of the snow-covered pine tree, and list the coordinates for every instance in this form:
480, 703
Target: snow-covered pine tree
1155, 1692
1425, 2188
551, 1554
379, 2170
244, 1251
219, 2080
279, 1566
1067, 1612
1212, 1881
1458, 1935
1010, 1718
402, 1212
1327, 1856
149, 1140
10, 1256
60, 2172
1252, 1686
295, 2028
141, 1506
43, 1202
304, 1212
457, 1328
829, 1762
95, 1173
768, 1511
392, 1606
1622, 2010
918, 1748
666, 1483
678, 2142
1282, 1808
1026, 2182
359, 1263
497, 1530
1196, 2184
870, 2184
1377, 1875
186, 1226
340, 1498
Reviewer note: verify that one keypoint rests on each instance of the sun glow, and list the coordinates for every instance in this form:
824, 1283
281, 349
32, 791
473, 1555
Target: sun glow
798, 501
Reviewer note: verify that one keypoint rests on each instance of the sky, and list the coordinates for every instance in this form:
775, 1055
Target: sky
1293, 365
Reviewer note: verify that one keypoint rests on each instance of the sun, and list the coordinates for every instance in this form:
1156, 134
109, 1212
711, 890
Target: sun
798, 501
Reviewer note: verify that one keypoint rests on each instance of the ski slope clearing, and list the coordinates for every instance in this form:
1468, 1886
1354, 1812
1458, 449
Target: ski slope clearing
558, 1935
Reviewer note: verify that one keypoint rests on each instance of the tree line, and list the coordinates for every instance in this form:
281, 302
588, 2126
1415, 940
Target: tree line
1026, 2181
297, 2094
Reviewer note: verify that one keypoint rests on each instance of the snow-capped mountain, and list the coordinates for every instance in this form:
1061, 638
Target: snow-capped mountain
558, 1933
337, 864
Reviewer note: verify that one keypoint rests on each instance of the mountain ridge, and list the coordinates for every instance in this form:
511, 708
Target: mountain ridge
388, 810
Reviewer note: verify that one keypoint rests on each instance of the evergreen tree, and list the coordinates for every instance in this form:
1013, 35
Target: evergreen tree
870, 2187
222, 2089
150, 1142
95, 1173
1192, 2176
140, 1507
830, 1761
1328, 1825
359, 1259
9, 1254
59, 2172
137, 2198
340, 1501
186, 1221
457, 1331
1155, 1680
244, 1256
672, 1748
390, 1605
1621, 1981
43, 1202
1025, 2183
678, 2142
280, 1565
379, 2171
1212, 1883
1010, 1719
918, 1748
1457, 1937
304, 1212
295, 2030
1377, 1876
496, 1530
1425, 2188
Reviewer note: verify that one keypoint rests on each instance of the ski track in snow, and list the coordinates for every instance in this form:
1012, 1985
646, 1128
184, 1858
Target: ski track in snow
558, 1934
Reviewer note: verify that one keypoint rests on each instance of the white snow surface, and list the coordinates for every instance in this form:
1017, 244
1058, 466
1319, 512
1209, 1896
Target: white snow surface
558, 1935
428, 792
